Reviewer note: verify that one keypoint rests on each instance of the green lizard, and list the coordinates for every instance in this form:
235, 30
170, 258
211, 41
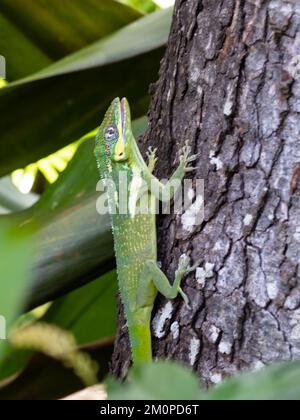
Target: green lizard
140, 278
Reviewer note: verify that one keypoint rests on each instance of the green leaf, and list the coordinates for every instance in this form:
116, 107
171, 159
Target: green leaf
44, 378
12, 362
75, 243
34, 33
90, 312
145, 5
156, 381
16, 249
141, 36
165, 381
277, 382
69, 98
22, 56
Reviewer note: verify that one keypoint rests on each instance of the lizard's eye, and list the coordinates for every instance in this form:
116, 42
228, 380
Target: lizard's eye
111, 133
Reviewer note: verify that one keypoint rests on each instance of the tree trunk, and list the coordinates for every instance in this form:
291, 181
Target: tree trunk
229, 85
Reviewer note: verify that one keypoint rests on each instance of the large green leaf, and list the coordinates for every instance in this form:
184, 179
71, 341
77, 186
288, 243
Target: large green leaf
16, 250
89, 312
140, 37
75, 243
44, 378
22, 56
156, 381
170, 381
34, 33
145, 5
278, 382
41, 114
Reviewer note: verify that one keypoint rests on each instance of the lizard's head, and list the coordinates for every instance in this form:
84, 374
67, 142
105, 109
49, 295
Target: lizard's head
114, 135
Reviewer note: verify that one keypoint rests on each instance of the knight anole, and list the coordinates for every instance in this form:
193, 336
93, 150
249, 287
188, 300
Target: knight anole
139, 276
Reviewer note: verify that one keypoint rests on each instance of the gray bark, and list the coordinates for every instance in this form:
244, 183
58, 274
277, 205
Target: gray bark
228, 83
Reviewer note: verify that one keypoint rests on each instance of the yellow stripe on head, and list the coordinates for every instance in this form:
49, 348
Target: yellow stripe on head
120, 146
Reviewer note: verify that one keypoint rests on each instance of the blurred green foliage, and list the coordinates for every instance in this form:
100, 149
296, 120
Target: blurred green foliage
147, 6
171, 381
156, 381
16, 250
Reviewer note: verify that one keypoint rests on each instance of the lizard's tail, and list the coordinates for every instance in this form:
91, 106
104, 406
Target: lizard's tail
140, 338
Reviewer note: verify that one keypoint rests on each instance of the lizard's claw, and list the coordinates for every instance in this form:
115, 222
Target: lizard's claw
184, 263
186, 151
195, 266
185, 298
151, 154
187, 158
192, 158
190, 169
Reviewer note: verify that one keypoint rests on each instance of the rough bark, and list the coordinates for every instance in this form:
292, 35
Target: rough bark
228, 86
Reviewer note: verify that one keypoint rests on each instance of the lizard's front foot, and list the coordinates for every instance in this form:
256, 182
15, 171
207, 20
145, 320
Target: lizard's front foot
151, 154
184, 268
186, 158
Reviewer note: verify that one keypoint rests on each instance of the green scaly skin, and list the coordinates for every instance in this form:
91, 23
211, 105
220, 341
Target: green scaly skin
135, 240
